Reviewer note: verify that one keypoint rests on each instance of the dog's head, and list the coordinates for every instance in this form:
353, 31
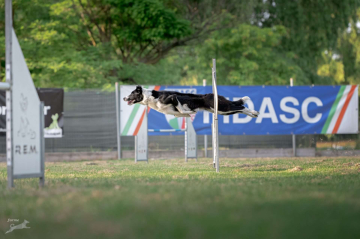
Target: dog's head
135, 97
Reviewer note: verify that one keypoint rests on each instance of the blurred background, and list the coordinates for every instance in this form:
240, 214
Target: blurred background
85, 46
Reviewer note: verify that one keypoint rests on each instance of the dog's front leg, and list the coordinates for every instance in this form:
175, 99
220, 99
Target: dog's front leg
181, 109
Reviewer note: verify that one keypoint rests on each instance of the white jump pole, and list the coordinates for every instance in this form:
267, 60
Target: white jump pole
215, 128
186, 141
167, 130
205, 136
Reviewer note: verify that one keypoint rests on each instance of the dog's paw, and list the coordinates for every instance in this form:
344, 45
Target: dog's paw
245, 98
255, 114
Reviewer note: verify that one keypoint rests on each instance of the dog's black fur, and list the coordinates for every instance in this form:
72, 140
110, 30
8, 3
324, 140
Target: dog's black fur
183, 104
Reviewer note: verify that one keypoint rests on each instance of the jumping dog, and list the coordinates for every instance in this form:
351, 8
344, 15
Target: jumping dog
183, 104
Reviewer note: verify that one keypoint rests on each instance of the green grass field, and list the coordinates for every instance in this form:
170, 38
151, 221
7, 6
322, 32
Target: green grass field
255, 198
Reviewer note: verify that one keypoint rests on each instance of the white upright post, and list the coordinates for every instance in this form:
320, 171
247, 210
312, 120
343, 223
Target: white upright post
142, 140
213, 125
190, 140
42, 148
118, 129
215, 120
186, 140
205, 136
8, 76
147, 134
136, 148
293, 135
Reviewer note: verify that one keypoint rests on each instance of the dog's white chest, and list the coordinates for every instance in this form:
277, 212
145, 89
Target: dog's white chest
166, 109
162, 108
154, 103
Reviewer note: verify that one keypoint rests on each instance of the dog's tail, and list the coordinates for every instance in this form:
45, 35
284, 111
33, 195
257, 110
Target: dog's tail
242, 101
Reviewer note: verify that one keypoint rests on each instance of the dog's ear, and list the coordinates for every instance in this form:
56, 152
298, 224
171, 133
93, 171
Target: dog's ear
139, 88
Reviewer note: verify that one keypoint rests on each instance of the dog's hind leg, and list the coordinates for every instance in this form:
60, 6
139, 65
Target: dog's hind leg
251, 113
236, 109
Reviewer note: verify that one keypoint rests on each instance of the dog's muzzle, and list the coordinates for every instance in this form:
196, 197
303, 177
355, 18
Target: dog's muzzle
130, 102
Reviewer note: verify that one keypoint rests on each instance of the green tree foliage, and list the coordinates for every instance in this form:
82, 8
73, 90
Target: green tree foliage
349, 52
81, 44
248, 55
331, 67
313, 27
343, 63
94, 43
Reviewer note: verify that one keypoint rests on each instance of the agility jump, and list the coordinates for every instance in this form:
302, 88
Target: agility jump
185, 104
141, 140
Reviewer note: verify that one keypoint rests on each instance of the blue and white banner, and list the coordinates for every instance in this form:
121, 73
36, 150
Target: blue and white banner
283, 110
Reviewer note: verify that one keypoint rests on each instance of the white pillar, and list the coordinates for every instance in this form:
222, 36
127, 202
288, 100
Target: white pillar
205, 136
8, 76
215, 120
118, 119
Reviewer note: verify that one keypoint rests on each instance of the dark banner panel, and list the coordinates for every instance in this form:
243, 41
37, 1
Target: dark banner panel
53, 99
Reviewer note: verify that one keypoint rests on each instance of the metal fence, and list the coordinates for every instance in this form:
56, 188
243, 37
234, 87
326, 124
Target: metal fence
90, 126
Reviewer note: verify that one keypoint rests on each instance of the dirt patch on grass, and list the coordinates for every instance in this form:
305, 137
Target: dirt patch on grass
106, 171
311, 169
272, 166
241, 165
97, 162
180, 176
297, 168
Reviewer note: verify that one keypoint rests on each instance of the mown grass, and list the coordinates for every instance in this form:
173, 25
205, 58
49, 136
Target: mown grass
257, 198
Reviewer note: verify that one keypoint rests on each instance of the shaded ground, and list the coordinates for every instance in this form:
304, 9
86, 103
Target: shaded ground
257, 198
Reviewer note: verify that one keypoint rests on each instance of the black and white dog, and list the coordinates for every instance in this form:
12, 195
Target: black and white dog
182, 104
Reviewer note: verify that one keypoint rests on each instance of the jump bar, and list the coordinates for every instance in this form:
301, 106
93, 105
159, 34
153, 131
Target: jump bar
166, 130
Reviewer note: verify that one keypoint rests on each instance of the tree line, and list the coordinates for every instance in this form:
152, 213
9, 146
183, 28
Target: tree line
94, 43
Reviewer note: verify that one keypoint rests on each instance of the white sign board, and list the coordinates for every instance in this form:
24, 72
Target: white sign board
26, 116
190, 139
130, 115
142, 141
